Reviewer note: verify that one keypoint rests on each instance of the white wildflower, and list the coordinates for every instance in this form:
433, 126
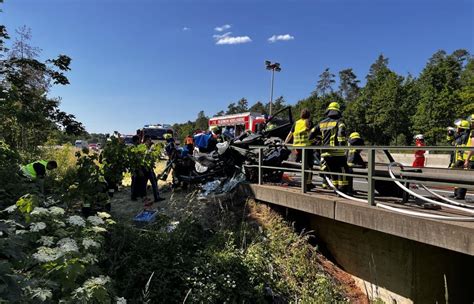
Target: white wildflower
46, 254
59, 223
87, 242
56, 210
110, 222
92, 284
103, 215
90, 258
50, 201
98, 229
35, 227
95, 220
20, 231
41, 293
67, 245
11, 209
46, 240
121, 300
40, 211
100, 280
76, 220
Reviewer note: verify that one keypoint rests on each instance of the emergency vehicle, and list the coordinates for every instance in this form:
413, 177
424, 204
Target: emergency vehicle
238, 123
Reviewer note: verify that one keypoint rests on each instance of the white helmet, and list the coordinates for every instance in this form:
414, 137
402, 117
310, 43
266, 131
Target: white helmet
419, 136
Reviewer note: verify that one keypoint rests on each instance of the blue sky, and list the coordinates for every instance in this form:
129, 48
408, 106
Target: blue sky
133, 62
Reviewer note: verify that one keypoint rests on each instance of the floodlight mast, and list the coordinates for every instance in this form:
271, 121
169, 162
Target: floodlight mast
274, 67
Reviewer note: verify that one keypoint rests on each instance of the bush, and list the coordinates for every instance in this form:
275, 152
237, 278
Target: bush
12, 186
51, 256
229, 261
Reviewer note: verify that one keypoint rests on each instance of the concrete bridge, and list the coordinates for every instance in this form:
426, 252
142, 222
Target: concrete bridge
397, 257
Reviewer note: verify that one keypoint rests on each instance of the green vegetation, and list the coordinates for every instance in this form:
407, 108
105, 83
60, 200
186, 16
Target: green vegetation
243, 253
389, 108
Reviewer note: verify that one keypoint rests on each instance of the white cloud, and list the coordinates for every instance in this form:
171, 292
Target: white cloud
233, 40
276, 38
219, 36
222, 28
186, 28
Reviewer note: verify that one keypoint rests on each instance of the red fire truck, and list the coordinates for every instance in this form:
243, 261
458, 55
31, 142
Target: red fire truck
238, 123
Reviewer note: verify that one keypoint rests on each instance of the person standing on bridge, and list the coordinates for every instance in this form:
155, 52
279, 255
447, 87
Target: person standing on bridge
469, 155
300, 134
353, 156
419, 161
333, 133
462, 140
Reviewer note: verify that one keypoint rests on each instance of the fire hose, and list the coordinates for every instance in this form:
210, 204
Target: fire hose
402, 211
445, 199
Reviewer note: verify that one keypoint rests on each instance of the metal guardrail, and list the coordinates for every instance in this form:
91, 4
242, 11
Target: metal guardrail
371, 177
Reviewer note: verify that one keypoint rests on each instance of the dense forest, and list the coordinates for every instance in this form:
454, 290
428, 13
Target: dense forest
389, 108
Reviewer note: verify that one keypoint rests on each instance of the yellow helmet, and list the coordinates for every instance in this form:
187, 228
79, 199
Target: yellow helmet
167, 136
334, 106
463, 124
470, 118
354, 135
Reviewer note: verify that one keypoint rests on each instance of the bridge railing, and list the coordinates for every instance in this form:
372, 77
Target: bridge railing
371, 162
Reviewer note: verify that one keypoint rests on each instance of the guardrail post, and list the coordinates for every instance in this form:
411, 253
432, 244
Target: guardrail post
259, 166
370, 180
303, 175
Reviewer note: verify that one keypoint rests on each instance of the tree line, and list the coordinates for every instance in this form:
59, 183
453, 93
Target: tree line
28, 115
390, 108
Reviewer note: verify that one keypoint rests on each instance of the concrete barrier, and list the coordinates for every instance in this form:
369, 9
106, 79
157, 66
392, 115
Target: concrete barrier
431, 160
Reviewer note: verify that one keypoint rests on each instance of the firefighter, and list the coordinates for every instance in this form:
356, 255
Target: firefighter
300, 134
451, 140
419, 161
353, 156
460, 156
333, 133
469, 155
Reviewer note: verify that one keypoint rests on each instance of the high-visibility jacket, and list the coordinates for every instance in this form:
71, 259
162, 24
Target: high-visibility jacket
333, 131
461, 141
469, 144
301, 134
29, 170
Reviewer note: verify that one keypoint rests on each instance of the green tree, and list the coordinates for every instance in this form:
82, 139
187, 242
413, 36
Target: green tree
325, 83
375, 113
348, 85
440, 103
202, 121
466, 92
258, 107
220, 113
232, 109
242, 106
27, 115
278, 104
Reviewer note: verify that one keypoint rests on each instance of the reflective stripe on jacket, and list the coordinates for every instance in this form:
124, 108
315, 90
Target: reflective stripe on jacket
469, 144
301, 134
333, 134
